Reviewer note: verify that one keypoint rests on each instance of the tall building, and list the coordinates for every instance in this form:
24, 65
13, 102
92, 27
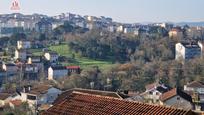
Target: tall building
188, 50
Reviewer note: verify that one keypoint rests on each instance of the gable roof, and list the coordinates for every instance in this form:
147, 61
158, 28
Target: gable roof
10, 64
88, 91
163, 89
58, 68
196, 84
16, 102
151, 86
52, 53
40, 89
73, 67
173, 93
86, 104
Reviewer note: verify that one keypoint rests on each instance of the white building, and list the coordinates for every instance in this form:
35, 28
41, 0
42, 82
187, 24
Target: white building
154, 91
31, 68
38, 95
131, 30
34, 59
188, 50
51, 56
55, 72
120, 29
56, 24
23, 44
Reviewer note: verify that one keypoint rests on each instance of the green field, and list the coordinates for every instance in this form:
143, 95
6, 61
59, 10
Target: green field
84, 62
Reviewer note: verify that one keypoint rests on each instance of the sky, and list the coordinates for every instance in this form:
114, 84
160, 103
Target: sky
129, 11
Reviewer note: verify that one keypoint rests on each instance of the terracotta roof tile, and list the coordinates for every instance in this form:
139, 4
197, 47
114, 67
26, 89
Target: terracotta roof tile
16, 102
73, 67
89, 91
173, 93
86, 104
151, 86
196, 84
40, 89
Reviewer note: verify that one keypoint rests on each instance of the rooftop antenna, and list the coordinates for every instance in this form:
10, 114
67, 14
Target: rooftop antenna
15, 5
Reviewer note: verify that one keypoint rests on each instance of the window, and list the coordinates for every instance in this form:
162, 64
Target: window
157, 93
30, 97
151, 93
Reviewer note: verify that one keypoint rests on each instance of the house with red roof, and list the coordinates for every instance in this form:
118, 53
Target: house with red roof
78, 103
73, 69
176, 98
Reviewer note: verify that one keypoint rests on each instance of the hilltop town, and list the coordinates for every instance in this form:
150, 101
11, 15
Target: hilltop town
89, 65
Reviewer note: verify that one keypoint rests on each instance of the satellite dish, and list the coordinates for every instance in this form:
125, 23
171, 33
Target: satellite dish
15, 5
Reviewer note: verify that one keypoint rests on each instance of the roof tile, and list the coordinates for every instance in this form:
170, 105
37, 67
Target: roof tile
87, 104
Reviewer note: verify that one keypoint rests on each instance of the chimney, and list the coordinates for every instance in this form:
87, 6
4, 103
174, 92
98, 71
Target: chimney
126, 92
29, 88
26, 88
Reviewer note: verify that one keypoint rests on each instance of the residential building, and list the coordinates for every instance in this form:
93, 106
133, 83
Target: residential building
141, 32
196, 90
51, 56
20, 54
120, 28
31, 72
43, 26
66, 93
23, 44
31, 68
130, 30
56, 72
195, 86
10, 68
112, 28
154, 91
34, 59
15, 103
188, 50
56, 24
176, 33
38, 95
176, 98
89, 104
73, 69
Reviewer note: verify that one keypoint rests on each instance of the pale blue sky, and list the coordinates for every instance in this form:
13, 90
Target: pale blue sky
119, 10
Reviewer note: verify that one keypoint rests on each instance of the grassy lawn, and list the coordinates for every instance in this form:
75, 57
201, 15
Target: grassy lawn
37, 52
84, 62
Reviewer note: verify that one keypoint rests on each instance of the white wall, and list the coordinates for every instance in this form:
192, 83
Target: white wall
180, 51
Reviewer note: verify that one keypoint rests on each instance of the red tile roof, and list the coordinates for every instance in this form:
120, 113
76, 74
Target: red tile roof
40, 89
173, 93
89, 91
73, 67
196, 84
86, 104
150, 86
16, 102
